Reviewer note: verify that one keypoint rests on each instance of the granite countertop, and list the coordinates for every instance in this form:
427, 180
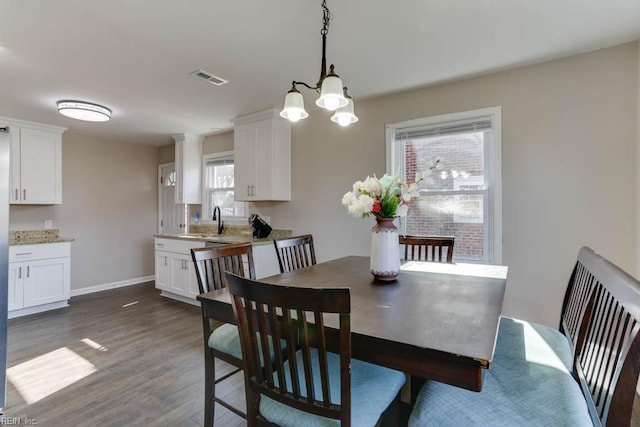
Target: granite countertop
32, 237
232, 234
217, 238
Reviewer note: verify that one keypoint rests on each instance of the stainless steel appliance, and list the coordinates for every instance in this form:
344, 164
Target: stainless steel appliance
4, 258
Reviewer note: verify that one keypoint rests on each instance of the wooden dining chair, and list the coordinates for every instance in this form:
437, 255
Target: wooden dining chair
306, 386
295, 252
220, 340
428, 248
532, 384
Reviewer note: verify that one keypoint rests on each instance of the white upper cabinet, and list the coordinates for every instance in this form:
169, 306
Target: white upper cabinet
188, 168
262, 157
36, 163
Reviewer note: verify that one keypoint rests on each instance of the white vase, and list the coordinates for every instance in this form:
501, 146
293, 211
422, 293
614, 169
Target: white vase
385, 250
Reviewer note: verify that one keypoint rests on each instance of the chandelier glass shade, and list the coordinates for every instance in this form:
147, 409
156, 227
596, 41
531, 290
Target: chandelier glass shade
86, 111
333, 94
344, 116
294, 106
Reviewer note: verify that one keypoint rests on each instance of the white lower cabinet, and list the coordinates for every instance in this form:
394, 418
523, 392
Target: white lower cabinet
176, 275
39, 278
265, 260
163, 270
175, 272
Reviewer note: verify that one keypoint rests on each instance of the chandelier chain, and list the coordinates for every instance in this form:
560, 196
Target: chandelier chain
325, 18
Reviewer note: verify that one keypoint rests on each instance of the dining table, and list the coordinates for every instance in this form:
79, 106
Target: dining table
436, 321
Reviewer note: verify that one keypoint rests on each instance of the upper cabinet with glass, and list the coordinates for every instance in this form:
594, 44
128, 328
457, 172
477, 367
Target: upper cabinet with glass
262, 152
36, 162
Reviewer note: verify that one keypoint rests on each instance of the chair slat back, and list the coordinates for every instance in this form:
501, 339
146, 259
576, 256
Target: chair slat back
428, 248
269, 314
295, 252
577, 298
212, 262
607, 360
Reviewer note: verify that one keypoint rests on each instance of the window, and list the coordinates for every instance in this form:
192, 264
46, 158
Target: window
463, 197
218, 189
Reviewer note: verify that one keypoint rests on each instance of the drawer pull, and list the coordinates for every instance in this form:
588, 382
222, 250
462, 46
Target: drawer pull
24, 253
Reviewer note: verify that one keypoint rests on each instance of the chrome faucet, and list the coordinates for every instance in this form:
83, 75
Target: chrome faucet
218, 217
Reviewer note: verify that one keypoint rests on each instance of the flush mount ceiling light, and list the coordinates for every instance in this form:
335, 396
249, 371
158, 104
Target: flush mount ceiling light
333, 95
84, 111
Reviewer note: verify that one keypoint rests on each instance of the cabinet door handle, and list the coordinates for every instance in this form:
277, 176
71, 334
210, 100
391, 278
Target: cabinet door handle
19, 272
248, 190
16, 194
27, 271
24, 194
165, 260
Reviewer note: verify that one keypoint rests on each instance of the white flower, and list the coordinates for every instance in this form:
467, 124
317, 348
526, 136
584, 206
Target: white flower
389, 194
410, 192
362, 205
348, 198
371, 186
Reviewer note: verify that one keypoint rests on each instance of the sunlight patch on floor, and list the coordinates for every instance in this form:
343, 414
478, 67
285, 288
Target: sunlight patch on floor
44, 375
91, 343
130, 304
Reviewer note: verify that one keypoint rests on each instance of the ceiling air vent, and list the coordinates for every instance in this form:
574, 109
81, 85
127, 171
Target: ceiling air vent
201, 74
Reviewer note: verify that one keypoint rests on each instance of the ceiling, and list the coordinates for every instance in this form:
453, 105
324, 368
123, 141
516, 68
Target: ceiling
136, 56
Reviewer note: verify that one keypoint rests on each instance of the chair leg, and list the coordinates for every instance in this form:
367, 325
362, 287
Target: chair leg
416, 385
209, 387
391, 416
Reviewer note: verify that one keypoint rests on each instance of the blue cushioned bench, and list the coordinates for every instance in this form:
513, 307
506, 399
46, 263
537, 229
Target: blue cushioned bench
583, 375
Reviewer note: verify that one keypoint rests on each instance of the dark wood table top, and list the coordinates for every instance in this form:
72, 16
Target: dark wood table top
437, 321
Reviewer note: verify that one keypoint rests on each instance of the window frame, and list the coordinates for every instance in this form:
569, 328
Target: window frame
206, 215
492, 166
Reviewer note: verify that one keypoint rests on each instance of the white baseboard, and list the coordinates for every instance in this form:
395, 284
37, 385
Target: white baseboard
36, 309
180, 298
112, 285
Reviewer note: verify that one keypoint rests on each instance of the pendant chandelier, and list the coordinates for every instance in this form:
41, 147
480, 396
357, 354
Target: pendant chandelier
333, 95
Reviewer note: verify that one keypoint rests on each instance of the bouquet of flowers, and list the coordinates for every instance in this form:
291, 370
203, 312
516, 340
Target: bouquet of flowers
386, 197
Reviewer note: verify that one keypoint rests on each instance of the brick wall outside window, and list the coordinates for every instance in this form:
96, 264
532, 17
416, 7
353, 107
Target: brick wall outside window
451, 215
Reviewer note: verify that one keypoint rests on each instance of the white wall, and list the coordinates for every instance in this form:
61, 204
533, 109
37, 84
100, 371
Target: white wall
569, 168
109, 205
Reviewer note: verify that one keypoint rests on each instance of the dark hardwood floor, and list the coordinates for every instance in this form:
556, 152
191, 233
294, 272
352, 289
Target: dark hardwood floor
115, 358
